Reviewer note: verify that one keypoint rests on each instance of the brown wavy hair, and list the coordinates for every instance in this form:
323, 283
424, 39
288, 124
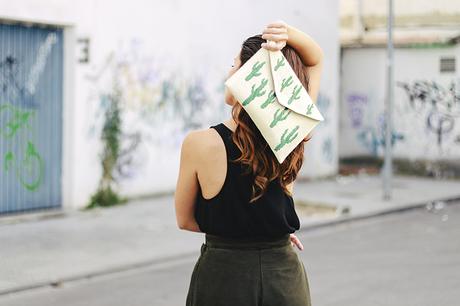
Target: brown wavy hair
256, 154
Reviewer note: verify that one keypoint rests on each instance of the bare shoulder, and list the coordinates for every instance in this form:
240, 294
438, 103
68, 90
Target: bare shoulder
200, 142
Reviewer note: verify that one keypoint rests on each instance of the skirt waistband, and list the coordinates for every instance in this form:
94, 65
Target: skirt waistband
247, 243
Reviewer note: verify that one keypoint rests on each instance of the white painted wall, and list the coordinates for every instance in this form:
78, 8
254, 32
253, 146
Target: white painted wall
428, 127
178, 47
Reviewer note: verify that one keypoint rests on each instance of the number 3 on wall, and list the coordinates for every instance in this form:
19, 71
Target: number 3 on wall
84, 44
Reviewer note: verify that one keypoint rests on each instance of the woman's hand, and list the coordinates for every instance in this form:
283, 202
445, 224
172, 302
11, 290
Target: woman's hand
296, 242
276, 34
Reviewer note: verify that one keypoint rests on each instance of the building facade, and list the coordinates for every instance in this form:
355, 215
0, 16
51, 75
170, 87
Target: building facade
63, 62
426, 108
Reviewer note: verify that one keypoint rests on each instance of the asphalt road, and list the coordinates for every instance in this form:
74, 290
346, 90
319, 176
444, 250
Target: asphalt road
410, 258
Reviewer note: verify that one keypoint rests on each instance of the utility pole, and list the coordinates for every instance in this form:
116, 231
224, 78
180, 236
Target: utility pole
387, 166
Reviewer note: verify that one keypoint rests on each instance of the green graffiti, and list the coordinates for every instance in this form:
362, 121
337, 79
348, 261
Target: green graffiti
255, 70
286, 82
295, 94
256, 92
285, 139
280, 115
309, 108
279, 63
30, 170
31, 162
19, 120
7, 161
270, 99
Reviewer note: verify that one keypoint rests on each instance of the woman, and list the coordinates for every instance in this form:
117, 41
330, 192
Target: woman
232, 188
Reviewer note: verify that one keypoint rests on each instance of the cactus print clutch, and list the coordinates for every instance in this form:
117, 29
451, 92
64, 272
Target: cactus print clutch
275, 99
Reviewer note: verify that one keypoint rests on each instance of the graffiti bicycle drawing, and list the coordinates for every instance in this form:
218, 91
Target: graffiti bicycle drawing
28, 166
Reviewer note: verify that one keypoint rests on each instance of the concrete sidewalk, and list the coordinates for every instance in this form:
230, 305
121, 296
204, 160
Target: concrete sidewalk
359, 196
73, 245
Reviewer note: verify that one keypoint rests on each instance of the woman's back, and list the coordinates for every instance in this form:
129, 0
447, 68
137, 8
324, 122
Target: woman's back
222, 205
214, 195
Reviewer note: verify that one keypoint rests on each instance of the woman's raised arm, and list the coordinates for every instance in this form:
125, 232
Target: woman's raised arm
309, 51
311, 55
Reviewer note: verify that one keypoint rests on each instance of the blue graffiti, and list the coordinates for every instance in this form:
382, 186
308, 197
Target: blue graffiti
372, 139
323, 103
327, 150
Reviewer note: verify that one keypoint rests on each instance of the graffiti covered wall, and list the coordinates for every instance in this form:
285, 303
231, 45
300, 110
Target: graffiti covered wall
174, 83
426, 116
169, 59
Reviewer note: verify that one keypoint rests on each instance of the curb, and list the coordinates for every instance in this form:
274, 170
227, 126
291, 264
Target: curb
113, 270
365, 216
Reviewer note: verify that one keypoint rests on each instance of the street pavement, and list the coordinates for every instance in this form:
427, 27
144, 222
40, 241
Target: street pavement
39, 250
410, 258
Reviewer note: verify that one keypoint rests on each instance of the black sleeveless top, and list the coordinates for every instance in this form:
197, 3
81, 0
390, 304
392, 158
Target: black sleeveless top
230, 214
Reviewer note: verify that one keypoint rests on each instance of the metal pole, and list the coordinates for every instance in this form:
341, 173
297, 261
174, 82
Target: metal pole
387, 166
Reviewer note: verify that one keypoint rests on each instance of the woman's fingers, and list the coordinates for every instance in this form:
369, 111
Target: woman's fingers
268, 47
274, 31
277, 24
296, 242
275, 37
274, 41
272, 45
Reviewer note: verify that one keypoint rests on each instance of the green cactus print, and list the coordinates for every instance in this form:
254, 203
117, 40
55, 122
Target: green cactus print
295, 94
286, 82
280, 115
279, 63
256, 92
309, 108
270, 99
255, 72
285, 139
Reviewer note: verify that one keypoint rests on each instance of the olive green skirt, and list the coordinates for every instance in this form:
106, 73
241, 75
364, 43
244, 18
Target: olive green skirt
248, 272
